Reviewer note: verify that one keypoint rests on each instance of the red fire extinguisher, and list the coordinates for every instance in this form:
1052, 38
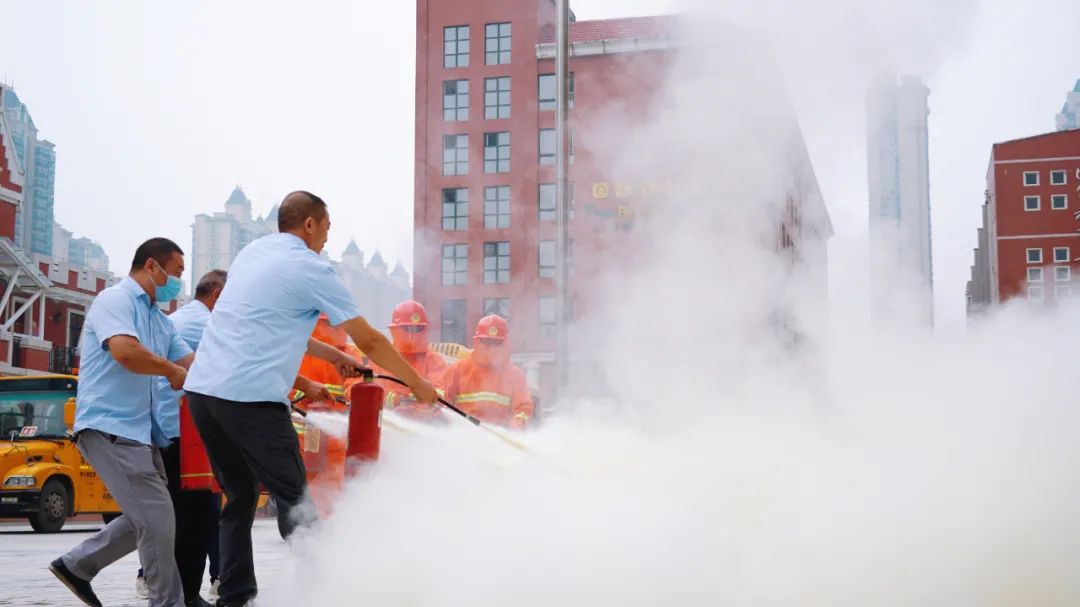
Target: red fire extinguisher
365, 421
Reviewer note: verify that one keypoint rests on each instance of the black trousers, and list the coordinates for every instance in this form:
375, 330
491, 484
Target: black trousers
196, 524
249, 444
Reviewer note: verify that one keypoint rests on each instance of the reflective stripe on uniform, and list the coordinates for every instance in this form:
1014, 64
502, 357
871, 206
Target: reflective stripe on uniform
476, 397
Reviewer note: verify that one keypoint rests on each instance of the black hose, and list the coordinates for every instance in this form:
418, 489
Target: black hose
395, 380
443, 402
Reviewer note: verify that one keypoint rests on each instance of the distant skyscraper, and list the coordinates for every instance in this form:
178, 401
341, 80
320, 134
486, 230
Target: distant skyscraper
899, 182
1069, 118
87, 253
218, 238
34, 219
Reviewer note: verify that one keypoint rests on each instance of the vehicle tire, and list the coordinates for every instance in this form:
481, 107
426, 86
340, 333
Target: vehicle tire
110, 517
53, 511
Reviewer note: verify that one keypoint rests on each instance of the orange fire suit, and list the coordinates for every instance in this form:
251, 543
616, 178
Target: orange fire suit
399, 399
494, 394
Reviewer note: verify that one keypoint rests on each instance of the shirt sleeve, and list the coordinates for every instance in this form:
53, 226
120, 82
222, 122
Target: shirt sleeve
330, 295
112, 314
178, 348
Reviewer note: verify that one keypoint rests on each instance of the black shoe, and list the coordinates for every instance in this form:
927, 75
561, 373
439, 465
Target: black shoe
197, 602
222, 603
78, 586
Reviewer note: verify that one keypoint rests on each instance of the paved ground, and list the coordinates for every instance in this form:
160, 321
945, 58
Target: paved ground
25, 557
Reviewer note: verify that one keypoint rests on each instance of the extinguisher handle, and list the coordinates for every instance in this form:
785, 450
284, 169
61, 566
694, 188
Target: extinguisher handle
442, 401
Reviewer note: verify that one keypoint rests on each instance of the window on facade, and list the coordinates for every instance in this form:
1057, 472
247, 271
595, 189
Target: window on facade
455, 209
1031, 203
1034, 255
496, 98
497, 207
455, 100
455, 264
453, 321
496, 262
455, 155
1061, 255
547, 259
456, 46
547, 146
1031, 178
547, 86
1057, 177
1059, 202
1062, 273
1062, 292
497, 152
548, 317
75, 327
1034, 274
547, 201
498, 306
497, 43
1035, 293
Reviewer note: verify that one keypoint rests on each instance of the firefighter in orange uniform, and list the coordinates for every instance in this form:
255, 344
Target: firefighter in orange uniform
409, 332
485, 384
319, 370
324, 455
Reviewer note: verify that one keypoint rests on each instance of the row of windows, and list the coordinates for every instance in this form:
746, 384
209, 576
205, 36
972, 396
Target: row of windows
496, 151
455, 313
1058, 202
1036, 292
1061, 255
456, 45
496, 97
1031, 178
455, 262
1061, 274
455, 207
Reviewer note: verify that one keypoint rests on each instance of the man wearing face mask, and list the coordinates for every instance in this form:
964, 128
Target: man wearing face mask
248, 361
127, 344
485, 384
409, 332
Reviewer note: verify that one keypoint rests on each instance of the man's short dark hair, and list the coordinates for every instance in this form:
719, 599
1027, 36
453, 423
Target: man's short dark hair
158, 249
214, 279
297, 207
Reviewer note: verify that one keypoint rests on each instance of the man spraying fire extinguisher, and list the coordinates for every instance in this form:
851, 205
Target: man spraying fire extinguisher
485, 384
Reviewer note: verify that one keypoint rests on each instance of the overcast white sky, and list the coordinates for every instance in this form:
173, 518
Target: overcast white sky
157, 110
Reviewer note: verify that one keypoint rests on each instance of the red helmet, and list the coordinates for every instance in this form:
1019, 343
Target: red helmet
492, 327
409, 314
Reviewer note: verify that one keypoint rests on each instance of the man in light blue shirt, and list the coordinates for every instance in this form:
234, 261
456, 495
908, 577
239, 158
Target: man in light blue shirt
196, 511
248, 361
128, 343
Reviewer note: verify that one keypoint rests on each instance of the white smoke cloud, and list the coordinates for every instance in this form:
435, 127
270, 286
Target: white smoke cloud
868, 466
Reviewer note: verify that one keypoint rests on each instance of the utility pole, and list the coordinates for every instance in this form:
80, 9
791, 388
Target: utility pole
562, 196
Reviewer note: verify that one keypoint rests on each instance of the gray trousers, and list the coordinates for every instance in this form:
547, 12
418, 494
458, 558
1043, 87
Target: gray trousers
135, 476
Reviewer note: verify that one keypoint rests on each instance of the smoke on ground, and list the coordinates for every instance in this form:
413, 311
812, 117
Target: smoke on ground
753, 448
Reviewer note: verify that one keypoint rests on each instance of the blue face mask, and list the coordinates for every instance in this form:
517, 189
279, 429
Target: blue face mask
168, 291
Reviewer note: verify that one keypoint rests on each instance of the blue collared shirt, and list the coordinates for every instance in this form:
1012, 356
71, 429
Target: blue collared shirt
110, 398
257, 335
190, 322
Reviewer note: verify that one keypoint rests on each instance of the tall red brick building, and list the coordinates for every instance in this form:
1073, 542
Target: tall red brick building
1029, 243
485, 163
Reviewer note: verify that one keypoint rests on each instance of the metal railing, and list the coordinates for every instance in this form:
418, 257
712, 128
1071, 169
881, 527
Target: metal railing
62, 360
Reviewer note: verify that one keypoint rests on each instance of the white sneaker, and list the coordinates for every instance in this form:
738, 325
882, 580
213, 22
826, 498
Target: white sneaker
141, 590
214, 588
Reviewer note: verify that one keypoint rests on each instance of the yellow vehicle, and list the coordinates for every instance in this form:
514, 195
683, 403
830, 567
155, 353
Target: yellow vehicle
43, 477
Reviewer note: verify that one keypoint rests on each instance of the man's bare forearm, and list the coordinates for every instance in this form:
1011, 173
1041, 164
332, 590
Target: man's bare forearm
134, 357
